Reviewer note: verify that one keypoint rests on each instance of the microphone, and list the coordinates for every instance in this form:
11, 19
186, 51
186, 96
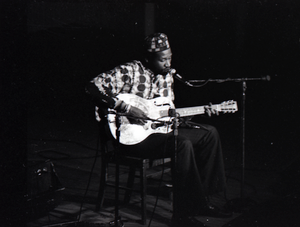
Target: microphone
267, 78
182, 80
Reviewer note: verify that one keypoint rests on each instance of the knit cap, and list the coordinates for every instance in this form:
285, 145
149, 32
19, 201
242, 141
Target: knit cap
156, 42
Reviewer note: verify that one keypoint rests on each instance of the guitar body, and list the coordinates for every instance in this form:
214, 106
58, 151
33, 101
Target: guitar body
131, 133
157, 111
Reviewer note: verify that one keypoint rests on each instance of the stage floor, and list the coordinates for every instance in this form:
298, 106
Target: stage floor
269, 197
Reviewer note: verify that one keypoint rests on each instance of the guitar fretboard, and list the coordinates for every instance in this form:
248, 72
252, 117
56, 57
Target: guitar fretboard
184, 112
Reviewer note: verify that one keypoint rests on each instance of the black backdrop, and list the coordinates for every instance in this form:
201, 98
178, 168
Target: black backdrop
71, 42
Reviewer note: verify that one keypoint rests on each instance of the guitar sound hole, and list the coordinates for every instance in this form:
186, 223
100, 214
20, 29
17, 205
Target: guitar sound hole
156, 125
153, 126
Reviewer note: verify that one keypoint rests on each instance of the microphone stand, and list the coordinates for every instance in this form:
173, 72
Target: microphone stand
236, 204
174, 162
117, 220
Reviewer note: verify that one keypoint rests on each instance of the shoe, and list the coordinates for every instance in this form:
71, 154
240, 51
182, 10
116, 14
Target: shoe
186, 222
213, 211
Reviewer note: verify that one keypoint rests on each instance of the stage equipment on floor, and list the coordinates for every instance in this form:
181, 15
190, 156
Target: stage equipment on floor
43, 188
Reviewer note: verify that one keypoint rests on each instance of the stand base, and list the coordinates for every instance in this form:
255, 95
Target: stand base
239, 204
119, 223
87, 224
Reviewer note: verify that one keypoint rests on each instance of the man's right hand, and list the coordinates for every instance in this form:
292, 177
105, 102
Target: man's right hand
137, 116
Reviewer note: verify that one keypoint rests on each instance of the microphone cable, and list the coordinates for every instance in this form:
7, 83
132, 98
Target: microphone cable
161, 177
89, 179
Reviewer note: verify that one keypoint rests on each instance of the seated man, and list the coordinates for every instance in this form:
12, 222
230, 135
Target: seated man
199, 167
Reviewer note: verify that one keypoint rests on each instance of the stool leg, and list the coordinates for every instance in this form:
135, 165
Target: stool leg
130, 181
143, 193
102, 187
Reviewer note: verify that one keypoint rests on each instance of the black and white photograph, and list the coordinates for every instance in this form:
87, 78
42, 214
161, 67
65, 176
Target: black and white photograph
162, 113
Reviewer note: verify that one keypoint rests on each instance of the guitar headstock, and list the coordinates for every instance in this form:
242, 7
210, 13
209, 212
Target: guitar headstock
228, 107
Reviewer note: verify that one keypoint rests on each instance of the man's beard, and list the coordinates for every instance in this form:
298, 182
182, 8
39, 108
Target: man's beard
161, 71
165, 70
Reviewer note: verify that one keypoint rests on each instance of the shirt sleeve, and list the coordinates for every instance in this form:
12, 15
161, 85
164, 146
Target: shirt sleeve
106, 86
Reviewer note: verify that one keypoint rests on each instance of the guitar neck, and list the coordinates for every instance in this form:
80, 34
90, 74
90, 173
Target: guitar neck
224, 107
190, 111
184, 112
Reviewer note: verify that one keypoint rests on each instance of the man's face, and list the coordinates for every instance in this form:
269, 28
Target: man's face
161, 61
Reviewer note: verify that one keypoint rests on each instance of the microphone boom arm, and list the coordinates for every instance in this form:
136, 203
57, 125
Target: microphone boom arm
267, 78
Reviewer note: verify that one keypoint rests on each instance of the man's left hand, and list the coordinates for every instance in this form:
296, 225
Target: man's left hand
209, 110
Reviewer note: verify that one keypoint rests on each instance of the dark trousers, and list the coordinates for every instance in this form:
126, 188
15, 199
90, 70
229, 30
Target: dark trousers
199, 168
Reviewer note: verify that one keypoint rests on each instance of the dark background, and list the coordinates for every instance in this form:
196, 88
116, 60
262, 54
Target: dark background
70, 42
52, 48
